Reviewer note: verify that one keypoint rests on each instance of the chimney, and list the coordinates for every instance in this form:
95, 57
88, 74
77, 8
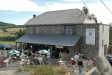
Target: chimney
85, 10
34, 16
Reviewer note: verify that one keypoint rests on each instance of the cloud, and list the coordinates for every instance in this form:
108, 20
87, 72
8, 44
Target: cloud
60, 6
101, 12
19, 5
72, 0
96, 8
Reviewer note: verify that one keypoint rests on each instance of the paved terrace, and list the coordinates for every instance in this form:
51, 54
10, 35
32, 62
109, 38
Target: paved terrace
12, 67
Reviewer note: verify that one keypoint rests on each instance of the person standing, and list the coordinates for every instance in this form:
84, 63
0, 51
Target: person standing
80, 65
60, 56
73, 63
18, 56
76, 57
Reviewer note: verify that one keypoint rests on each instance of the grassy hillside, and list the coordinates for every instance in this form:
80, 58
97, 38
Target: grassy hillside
8, 42
6, 24
10, 31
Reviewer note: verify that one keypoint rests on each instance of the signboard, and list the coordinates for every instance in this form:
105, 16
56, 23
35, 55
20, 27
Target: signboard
57, 46
90, 36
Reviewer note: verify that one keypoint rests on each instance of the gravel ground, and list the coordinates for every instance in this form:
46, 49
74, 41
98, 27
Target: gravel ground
11, 70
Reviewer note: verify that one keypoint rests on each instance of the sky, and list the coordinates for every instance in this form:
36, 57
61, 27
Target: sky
20, 11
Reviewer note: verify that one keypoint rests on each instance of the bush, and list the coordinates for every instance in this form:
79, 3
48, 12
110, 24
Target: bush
26, 68
19, 69
45, 70
7, 38
110, 37
62, 69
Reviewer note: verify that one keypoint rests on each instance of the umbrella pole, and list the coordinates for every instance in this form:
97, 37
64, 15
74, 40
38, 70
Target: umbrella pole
51, 55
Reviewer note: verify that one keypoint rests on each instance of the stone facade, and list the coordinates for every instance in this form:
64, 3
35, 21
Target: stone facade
46, 29
73, 22
86, 49
49, 29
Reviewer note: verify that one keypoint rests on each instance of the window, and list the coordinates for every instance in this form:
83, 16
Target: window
69, 30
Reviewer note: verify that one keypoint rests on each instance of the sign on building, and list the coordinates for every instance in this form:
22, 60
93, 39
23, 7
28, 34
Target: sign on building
90, 36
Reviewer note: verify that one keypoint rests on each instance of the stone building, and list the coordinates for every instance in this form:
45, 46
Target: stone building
74, 29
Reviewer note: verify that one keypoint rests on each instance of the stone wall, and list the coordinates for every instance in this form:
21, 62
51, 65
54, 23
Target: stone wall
93, 71
46, 29
88, 50
103, 67
49, 29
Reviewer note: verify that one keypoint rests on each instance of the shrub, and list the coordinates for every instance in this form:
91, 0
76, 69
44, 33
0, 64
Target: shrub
62, 69
45, 70
7, 38
110, 37
19, 69
26, 68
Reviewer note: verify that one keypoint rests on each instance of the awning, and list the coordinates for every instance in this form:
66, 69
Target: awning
60, 40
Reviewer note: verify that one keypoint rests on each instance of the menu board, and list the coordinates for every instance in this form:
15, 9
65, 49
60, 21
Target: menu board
90, 36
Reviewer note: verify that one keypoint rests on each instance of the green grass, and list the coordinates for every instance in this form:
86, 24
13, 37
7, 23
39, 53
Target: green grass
9, 31
4, 33
14, 29
44, 69
110, 37
8, 42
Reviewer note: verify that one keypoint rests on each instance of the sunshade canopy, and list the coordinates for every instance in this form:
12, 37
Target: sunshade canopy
12, 52
43, 51
60, 40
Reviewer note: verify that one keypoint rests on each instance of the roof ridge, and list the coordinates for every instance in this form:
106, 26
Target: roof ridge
62, 10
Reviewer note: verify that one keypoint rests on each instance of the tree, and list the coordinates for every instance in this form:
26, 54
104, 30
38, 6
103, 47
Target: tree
110, 37
20, 33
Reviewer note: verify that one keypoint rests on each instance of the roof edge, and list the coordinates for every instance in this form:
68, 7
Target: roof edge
68, 24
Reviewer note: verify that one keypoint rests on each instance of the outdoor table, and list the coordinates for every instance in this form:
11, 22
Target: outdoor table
61, 62
6, 62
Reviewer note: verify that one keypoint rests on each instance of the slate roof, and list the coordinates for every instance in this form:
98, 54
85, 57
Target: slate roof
70, 16
61, 40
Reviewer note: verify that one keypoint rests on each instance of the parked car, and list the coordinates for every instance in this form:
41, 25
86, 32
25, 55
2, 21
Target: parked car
4, 46
109, 58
